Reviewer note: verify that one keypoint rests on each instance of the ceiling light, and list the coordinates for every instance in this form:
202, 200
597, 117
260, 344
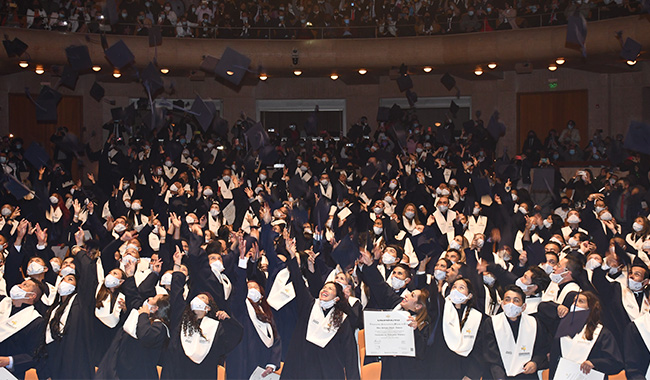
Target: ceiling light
427, 69
263, 76
164, 70
23, 64
39, 69
492, 65
560, 61
297, 72
478, 71
552, 67
363, 71
334, 76
97, 68
230, 73
631, 63
117, 73
437, 124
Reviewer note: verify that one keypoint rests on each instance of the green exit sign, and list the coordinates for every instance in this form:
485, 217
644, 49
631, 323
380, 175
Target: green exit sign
552, 84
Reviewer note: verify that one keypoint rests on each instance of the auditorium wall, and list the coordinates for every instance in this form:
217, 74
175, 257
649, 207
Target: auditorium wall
614, 99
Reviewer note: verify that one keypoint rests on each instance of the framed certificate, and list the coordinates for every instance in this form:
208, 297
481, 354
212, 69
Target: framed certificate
388, 333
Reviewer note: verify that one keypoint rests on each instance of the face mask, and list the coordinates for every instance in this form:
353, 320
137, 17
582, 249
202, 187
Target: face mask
637, 227
613, 271
397, 283
575, 308
197, 304
54, 200
388, 259
168, 164
547, 224
488, 9
476, 211
111, 281
166, 279
35, 268
514, 197
377, 230
190, 220
17, 293
128, 259
363, 182
444, 192
573, 243
377, 210
127, 204
55, 266
443, 208
557, 277
521, 284
67, 270
479, 243
489, 280
470, 13
208, 192
592, 264
511, 310
327, 304
262, 177
573, 219
523, 211
214, 212
6, 212
456, 297
136, 207
634, 286
454, 245
439, 274
217, 267
324, 182
392, 186
606, 217
303, 168
254, 295
65, 288
646, 245
119, 228
388, 200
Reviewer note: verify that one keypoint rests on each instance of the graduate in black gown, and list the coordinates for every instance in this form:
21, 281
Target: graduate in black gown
583, 339
201, 333
322, 345
637, 349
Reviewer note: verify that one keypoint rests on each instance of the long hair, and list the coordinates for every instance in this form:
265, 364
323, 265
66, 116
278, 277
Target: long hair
104, 293
55, 322
422, 316
594, 314
163, 310
337, 316
263, 311
470, 302
190, 324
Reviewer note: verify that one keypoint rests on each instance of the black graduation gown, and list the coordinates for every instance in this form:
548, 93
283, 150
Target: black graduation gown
251, 351
305, 360
176, 364
23, 344
492, 355
605, 355
637, 356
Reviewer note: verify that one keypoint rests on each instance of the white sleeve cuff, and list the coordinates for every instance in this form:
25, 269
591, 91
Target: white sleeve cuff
272, 366
10, 366
41, 247
243, 263
18, 247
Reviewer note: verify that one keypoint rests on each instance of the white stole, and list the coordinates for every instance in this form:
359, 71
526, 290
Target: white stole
48, 299
643, 325
107, 316
213, 223
515, 354
62, 321
631, 306
282, 291
131, 324
225, 189
532, 303
225, 282
319, 328
54, 214
476, 225
195, 346
264, 329
446, 226
170, 172
577, 349
460, 340
9, 325
326, 192
553, 293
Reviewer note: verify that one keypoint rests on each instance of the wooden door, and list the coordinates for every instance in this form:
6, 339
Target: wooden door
543, 111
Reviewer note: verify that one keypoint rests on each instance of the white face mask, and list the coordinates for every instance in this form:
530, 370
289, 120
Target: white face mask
646, 245
66, 271
254, 295
136, 207
327, 304
548, 268
454, 245
488, 280
634, 286
606, 216
637, 227
592, 264
523, 211
599, 209
388, 259
547, 224
557, 277
456, 297
65, 288
324, 182
440, 274
217, 267
54, 200
214, 212
111, 281
521, 285
409, 215
17, 293
190, 220
55, 266
208, 192
575, 308
198, 304
377, 230
514, 197
128, 259
573, 219
166, 279
377, 210
479, 243
573, 242
6, 211
397, 283
119, 228
476, 211
443, 208
511, 310
35, 268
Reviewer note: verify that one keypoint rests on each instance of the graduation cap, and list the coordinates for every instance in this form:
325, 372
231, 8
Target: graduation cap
15, 47
543, 179
79, 58
400, 134
637, 262
69, 78
117, 113
535, 252
155, 36
370, 188
412, 98
631, 50
576, 31
119, 55
404, 82
395, 113
268, 155
129, 114
220, 127
637, 138
71, 143
46, 104
448, 81
151, 79
572, 324
297, 187
36, 155
15, 187
425, 244
232, 66
495, 127
453, 108
369, 170
203, 112
383, 113
257, 136
621, 255
97, 91
346, 252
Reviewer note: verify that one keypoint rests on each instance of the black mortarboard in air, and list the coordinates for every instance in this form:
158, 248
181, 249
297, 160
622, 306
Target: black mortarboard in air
203, 112
79, 58
637, 138
209, 64
370, 188
36, 155
572, 323
46, 104
119, 55
395, 113
412, 98
155, 36
543, 179
15, 47
69, 78
621, 255
151, 79
576, 31
221, 127
535, 253
129, 114
257, 136
631, 50
97, 91
232, 66
268, 155
15, 187
346, 252
637, 262
117, 113
453, 108
369, 170
297, 187
495, 127
383, 113
448, 81
425, 244
404, 82
481, 186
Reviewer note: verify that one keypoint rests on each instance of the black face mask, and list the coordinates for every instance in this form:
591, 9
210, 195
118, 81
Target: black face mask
565, 206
